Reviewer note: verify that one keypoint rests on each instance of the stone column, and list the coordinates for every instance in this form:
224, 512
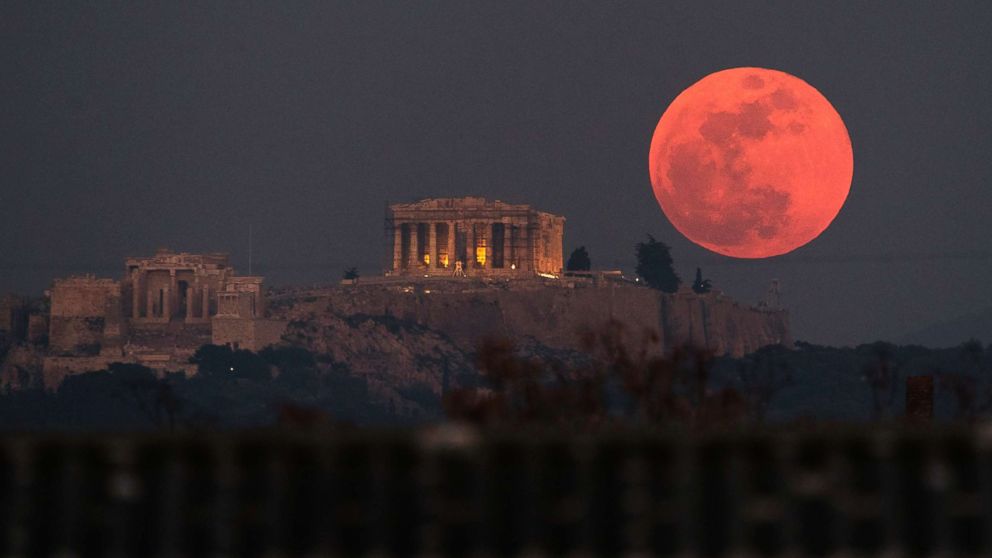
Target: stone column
527, 257
135, 294
432, 243
172, 295
474, 248
507, 227
534, 236
451, 245
195, 294
509, 254
189, 302
484, 238
477, 228
470, 245
412, 262
150, 299
205, 305
490, 238
397, 247
167, 303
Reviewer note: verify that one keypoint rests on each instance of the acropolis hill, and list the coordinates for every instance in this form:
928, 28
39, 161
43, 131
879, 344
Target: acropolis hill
458, 270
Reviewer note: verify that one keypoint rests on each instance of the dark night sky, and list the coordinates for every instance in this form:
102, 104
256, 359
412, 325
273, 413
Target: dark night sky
128, 127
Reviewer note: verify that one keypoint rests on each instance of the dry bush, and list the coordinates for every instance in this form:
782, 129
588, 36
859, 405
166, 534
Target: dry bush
622, 383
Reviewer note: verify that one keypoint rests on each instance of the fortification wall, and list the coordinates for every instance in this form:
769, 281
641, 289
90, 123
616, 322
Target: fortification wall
556, 316
250, 334
56, 369
85, 316
82, 296
18, 368
76, 336
38, 329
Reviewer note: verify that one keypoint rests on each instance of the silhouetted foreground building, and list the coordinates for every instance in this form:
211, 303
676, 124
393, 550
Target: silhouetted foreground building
457, 494
473, 236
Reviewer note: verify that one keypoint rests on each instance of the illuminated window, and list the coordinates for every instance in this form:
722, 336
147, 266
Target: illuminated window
427, 259
444, 260
480, 255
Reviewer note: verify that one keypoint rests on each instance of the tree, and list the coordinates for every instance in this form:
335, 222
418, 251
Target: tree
763, 374
700, 285
221, 361
654, 265
153, 396
286, 358
883, 377
351, 274
579, 260
298, 372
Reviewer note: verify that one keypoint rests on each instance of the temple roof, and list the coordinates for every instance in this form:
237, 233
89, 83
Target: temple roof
466, 203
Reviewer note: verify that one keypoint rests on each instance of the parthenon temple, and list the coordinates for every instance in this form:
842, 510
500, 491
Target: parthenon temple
473, 236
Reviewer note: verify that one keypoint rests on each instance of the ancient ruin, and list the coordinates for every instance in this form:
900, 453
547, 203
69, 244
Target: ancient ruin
460, 270
164, 308
86, 317
473, 237
170, 286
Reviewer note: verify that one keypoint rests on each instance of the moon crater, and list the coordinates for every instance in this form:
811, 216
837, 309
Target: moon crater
751, 165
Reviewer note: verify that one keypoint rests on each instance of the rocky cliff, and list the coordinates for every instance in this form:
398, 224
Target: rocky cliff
409, 339
418, 337
552, 314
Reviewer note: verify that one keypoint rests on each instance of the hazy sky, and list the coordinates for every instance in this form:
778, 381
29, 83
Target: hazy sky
125, 127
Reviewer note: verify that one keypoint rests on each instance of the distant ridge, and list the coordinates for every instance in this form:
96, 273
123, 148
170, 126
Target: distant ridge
977, 325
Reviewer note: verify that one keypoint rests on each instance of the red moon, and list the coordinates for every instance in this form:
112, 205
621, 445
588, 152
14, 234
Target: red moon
751, 162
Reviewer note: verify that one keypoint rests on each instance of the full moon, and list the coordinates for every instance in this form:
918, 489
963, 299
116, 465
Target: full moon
751, 162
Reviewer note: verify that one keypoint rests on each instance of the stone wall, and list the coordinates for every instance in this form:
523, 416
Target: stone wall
38, 329
250, 334
19, 367
83, 296
556, 313
55, 369
85, 316
548, 245
721, 324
